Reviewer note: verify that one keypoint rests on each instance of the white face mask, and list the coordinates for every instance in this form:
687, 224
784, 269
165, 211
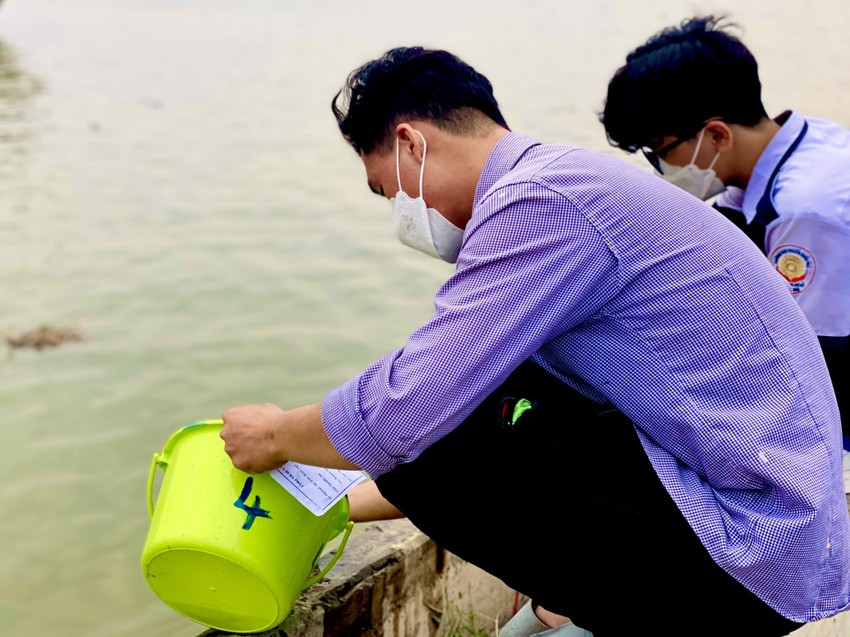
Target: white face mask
700, 182
421, 227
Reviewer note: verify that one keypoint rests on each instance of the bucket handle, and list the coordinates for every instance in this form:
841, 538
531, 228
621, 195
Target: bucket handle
349, 525
156, 462
159, 460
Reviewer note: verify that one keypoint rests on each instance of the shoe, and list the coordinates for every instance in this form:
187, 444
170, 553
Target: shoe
845, 445
526, 624
846, 471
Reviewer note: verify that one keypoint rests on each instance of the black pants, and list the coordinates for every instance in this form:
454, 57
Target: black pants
564, 506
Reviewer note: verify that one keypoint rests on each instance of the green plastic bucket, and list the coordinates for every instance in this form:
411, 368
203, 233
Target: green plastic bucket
227, 549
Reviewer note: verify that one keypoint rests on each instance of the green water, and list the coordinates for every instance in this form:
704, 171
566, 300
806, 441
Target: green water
172, 184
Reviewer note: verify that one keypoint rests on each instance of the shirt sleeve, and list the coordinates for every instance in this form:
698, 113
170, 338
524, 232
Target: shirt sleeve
532, 267
812, 253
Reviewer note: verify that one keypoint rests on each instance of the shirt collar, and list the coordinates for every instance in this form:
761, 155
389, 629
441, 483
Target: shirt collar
505, 155
791, 124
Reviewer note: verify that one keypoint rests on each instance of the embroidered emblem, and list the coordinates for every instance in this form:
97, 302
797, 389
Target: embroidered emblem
796, 265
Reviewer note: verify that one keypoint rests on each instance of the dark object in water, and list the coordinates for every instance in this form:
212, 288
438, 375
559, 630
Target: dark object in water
43, 337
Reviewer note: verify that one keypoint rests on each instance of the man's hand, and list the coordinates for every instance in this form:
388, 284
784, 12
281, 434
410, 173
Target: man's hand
260, 438
253, 437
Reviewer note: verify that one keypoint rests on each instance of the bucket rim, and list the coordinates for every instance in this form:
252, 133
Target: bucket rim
180, 433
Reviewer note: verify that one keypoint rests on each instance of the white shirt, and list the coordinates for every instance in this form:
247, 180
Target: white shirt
800, 188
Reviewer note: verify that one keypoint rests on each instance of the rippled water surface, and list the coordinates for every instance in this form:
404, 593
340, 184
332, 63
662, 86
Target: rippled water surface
173, 186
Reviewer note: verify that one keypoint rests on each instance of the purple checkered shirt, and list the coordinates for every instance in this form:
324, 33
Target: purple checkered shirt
632, 291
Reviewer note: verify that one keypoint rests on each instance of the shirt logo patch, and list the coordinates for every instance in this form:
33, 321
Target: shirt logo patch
796, 265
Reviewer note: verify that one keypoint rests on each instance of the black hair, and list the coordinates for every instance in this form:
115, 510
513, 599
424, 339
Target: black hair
412, 82
681, 77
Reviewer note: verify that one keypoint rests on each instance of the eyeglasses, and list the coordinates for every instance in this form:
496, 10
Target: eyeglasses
653, 157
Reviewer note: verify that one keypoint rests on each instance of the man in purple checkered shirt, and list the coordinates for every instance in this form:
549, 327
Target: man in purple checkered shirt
609, 346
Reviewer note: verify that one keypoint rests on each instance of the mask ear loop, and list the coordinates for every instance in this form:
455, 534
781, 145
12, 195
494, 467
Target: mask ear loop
397, 169
422, 170
699, 144
696, 152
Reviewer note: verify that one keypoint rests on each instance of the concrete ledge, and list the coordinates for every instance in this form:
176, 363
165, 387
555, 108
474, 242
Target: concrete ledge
838, 626
393, 581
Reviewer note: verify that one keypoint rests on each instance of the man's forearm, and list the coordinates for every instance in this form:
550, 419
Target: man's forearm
305, 440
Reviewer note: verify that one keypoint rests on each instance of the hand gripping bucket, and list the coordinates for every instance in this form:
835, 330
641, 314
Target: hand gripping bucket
225, 548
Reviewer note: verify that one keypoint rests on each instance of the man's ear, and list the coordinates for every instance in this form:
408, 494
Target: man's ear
720, 134
410, 141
